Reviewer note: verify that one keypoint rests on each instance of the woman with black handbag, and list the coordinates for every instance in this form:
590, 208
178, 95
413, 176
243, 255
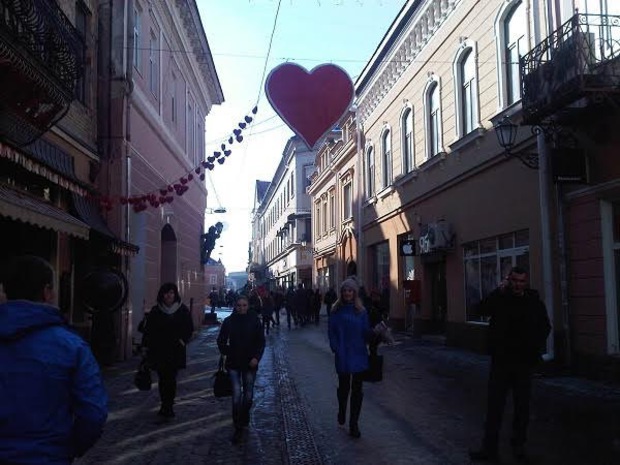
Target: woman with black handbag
242, 341
167, 332
349, 332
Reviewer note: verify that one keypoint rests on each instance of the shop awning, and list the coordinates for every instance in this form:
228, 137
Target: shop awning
87, 210
23, 207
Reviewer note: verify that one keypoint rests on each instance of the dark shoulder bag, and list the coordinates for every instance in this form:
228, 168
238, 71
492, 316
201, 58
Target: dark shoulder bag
222, 385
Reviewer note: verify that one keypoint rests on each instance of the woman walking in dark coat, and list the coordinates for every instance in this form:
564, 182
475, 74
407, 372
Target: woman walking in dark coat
167, 330
242, 341
349, 332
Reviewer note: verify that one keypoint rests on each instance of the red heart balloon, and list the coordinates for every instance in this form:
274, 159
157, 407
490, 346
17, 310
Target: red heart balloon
310, 103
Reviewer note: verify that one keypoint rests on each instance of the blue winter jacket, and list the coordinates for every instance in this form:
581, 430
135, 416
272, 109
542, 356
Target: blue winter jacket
349, 332
53, 403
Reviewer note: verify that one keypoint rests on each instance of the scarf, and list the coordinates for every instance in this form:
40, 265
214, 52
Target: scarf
169, 310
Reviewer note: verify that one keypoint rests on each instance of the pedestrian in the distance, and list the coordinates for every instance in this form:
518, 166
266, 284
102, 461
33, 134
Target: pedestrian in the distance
349, 332
167, 330
329, 299
518, 330
53, 403
242, 341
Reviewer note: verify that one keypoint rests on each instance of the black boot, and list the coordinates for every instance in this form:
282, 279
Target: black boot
356, 407
342, 405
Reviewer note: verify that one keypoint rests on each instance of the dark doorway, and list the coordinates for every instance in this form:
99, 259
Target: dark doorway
439, 296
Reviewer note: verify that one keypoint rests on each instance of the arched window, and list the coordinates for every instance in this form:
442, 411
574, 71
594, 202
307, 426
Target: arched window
515, 28
466, 89
406, 125
370, 172
432, 103
386, 157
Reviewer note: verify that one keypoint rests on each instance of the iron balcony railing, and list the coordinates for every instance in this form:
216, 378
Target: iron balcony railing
578, 59
39, 31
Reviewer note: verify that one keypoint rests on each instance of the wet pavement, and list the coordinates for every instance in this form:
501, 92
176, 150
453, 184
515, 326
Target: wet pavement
428, 410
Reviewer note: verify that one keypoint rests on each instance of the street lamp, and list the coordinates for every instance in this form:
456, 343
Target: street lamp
506, 132
215, 210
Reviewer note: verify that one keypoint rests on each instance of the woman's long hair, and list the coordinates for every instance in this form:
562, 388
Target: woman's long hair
359, 306
164, 289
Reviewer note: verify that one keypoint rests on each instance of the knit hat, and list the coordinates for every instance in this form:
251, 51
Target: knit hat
351, 284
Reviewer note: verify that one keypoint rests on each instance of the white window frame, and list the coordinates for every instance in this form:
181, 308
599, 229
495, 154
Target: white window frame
347, 200
137, 34
407, 140
370, 171
433, 84
387, 170
466, 50
154, 41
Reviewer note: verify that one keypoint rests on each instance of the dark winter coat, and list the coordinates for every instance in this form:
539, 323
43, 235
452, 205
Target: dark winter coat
166, 338
53, 403
518, 328
241, 339
349, 332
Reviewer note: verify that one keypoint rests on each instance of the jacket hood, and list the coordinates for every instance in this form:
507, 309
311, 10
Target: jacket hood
19, 317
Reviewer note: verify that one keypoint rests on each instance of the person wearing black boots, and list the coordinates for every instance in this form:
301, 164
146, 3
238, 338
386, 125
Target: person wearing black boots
242, 341
349, 332
167, 329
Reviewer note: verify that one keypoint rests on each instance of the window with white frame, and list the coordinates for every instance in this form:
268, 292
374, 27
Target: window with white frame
137, 37
317, 219
173, 98
515, 27
324, 215
154, 64
347, 200
406, 124
489, 260
332, 209
467, 92
370, 172
199, 139
433, 118
212, 279
386, 157
190, 129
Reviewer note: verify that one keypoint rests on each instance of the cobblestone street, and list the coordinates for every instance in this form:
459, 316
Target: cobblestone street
428, 410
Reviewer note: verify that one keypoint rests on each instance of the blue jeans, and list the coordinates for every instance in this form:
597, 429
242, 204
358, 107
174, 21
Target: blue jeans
242, 396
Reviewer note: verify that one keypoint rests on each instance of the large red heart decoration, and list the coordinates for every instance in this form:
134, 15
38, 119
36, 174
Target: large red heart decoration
310, 103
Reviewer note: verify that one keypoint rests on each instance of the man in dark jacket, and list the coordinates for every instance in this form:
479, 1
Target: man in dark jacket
242, 341
53, 403
518, 331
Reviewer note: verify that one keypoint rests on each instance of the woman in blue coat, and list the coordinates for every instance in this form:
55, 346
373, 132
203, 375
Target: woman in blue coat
349, 332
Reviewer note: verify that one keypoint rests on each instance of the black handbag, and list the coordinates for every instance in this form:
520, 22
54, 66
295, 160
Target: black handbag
374, 373
142, 379
222, 385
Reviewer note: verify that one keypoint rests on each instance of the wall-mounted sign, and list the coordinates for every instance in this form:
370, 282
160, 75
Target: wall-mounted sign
408, 248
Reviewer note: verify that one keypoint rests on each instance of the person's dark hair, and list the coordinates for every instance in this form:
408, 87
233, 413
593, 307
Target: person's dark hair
518, 270
164, 289
26, 277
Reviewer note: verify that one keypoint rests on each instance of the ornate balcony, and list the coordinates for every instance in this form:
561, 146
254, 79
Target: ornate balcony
40, 60
577, 66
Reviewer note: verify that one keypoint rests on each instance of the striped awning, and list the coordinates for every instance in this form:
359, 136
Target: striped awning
23, 207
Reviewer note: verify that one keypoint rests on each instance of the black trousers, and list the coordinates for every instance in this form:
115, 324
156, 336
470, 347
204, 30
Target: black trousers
506, 376
167, 385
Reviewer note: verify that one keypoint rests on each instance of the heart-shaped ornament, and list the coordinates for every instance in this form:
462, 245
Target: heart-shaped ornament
310, 103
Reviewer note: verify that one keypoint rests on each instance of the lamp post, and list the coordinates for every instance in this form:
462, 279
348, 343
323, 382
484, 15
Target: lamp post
506, 132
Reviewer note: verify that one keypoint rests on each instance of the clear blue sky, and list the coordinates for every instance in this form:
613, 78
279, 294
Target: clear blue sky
307, 32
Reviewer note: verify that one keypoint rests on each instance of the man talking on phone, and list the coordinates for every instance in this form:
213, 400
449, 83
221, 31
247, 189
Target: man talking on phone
518, 331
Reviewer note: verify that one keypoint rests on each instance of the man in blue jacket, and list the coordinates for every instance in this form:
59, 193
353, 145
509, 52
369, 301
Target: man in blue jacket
54, 403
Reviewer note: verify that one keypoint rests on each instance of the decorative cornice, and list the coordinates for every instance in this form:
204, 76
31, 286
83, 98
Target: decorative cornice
423, 26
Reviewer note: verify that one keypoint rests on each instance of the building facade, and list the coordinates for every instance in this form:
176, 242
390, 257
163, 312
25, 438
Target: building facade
445, 213
154, 125
281, 223
335, 198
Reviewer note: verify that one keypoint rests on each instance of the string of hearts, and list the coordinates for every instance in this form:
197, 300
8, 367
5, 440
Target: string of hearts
141, 202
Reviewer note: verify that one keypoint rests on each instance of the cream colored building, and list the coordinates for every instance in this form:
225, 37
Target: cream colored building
434, 173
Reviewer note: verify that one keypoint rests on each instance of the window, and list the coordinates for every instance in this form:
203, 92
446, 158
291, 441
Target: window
380, 274
467, 100
386, 157
190, 130
82, 17
212, 279
317, 219
332, 209
173, 98
487, 261
137, 35
347, 207
515, 27
154, 64
407, 139
370, 172
433, 120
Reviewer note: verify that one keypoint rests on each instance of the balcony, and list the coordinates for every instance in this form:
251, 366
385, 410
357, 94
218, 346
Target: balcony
576, 67
40, 60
